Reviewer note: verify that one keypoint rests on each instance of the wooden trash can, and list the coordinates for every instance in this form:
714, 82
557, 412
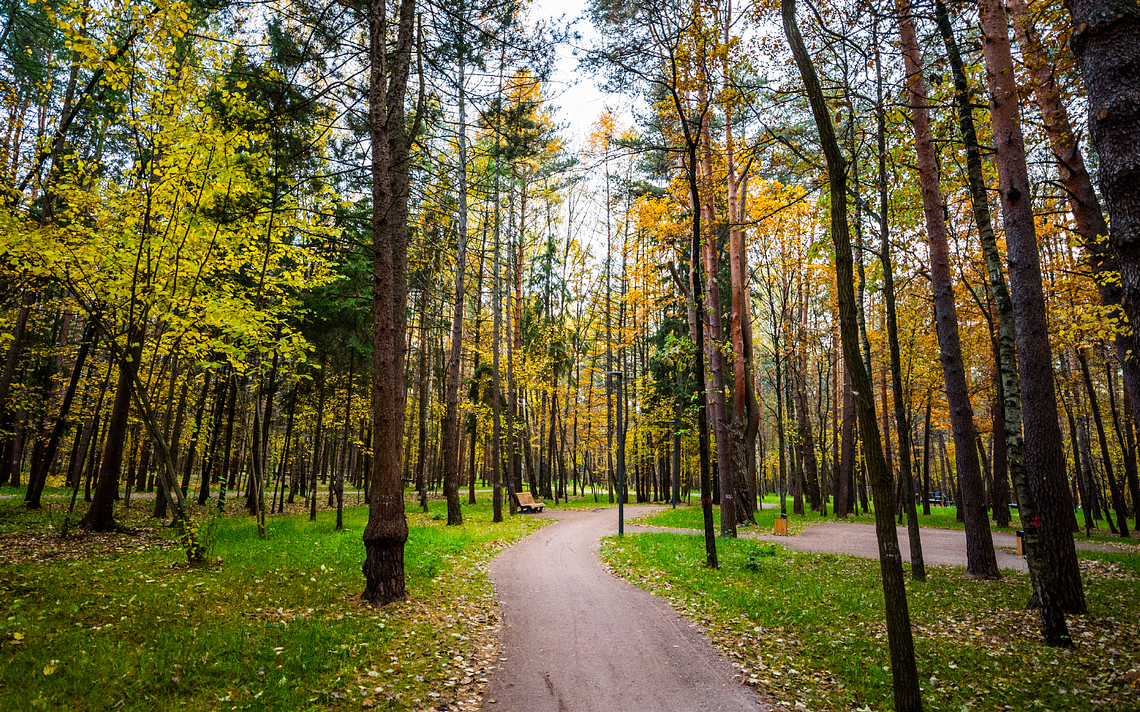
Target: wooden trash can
782, 525
1020, 543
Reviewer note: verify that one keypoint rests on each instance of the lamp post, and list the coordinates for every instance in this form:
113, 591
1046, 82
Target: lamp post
676, 459
621, 455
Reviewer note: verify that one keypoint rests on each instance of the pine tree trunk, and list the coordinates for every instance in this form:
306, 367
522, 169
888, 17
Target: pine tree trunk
1088, 216
981, 561
387, 528
1044, 457
902, 427
449, 428
1106, 43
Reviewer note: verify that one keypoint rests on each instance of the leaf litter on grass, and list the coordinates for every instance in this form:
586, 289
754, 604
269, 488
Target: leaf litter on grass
808, 629
274, 627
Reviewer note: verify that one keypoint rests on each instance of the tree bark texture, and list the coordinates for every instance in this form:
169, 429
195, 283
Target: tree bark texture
1044, 457
387, 528
1106, 42
1088, 215
1006, 352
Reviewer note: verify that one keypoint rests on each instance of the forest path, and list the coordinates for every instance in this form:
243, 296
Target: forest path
577, 639
940, 547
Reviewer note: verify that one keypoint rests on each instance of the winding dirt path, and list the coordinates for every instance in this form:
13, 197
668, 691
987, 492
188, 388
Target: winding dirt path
577, 639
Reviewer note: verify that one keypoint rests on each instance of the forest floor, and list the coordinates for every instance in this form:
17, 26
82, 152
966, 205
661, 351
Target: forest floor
97, 622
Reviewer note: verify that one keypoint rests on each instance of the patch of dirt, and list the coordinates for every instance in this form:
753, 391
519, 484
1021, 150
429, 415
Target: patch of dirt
80, 544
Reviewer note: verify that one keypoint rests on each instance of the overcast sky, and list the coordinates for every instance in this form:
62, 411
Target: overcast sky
573, 91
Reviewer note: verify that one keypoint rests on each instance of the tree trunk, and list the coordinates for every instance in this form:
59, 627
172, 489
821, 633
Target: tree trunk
13, 356
981, 561
926, 452
1000, 494
1088, 216
100, 515
1106, 42
387, 528
1130, 455
1013, 445
716, 362
907, 695
1044, 457
807, 441
449, 428
36, 485
844, 497
902, 427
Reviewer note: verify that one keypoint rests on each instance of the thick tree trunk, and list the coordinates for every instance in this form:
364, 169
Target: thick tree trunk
1088, 216
902, 427
387, 528
981, 561
1013, 445
1044, 457
907, 695
1106, 42
716, 365
745, 418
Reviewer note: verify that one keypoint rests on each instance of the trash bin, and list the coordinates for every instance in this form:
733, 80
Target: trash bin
1020, 543
781, 525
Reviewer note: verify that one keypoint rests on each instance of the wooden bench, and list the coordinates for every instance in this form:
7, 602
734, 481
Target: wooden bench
527, 504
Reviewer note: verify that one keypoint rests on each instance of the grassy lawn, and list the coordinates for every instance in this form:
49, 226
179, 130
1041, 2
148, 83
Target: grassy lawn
808, 629
276, 625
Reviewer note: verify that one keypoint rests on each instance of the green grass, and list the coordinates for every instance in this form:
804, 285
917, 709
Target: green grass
809, 628
275, 626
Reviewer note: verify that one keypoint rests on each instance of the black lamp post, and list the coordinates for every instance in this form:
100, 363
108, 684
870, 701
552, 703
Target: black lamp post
621, 455
676, 459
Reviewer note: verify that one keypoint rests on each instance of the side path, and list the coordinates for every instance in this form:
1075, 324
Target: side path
940, 547
577, 639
